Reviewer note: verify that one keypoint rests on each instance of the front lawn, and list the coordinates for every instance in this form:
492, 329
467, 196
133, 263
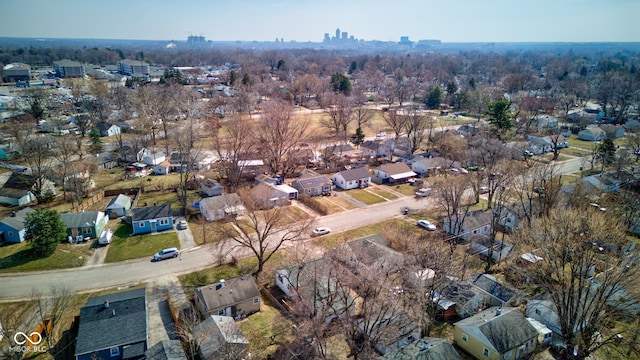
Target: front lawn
574, 152
18, 257
575, 142
365, 196
405, 189
332, 240
384, 193
334, 204
125, 247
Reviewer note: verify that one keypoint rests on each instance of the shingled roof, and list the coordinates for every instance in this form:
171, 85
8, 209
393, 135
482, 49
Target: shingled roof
151, 212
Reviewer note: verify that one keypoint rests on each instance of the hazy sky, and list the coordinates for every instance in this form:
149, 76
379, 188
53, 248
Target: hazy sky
308, 20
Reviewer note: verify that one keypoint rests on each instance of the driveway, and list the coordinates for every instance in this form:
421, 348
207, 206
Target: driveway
186, 237
160, 292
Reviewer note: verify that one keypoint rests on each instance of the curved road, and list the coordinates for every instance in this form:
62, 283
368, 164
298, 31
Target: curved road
15, 286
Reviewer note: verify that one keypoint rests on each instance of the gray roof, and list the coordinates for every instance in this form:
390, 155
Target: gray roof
215, 333
497, 289
100, 329
16, 221
81, 219
395, 168
425, 349
373, 251
505, 329
20, 181
67, 62
120, 201
355, 174
393, 328
151, 212
234, 291
166, 350
310, 180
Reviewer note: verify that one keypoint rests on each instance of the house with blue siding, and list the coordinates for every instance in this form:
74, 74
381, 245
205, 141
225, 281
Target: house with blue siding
12, 227
113, 326
151, 219
88, 224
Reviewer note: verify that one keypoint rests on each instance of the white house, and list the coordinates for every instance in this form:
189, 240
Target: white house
106, 129
392, 173
352, 178
219, 207
154, 158
473, 224
427, 166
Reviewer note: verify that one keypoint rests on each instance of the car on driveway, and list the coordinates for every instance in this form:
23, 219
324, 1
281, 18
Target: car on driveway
426, 224
166, 254
182, 224
320, 231
424, 192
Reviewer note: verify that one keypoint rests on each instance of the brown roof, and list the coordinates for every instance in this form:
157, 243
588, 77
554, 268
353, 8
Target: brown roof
395, 168
234, 291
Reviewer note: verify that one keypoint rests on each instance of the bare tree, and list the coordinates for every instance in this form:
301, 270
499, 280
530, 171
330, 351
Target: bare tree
262, 232
232, 144
188, 152
64, 151
278, 133
37, 153
586, 271
415, 125
453, 199
340, 115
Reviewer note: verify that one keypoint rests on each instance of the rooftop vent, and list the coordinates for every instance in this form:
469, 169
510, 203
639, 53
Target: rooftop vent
106, 304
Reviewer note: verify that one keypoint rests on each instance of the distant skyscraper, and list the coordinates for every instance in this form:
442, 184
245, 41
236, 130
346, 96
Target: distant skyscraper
327, 39
338, 34
345, 36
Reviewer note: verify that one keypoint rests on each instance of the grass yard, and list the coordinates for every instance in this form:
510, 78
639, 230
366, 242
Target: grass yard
574, 152
293, 214
334, 203
125, 247
406, 189
365, 196
384, 193
18, 257
575, 142
332, 240
204, 231
265, 330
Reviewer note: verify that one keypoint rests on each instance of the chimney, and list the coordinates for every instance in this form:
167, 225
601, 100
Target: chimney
13, 214
498, 311
106, 304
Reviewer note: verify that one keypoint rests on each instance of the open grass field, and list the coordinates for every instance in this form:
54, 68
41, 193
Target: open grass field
125, 247
18, 257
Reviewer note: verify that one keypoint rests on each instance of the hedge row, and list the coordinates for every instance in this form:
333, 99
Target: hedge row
314, 204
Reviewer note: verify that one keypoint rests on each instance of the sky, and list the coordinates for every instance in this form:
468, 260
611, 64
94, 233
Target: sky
308, 20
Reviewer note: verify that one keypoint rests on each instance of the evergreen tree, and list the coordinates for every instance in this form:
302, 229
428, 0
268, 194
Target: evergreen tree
44, 231
340, 84
358, 138
606, 151
435, 98
499, 113
246, 80
96, 141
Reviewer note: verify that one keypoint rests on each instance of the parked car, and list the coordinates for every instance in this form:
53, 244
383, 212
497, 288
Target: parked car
320, 231
425, 224
166, 254
424, 192
182, 224
484, 189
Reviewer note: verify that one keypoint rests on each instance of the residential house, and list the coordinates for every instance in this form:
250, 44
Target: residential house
106, 129
458, 299
312, 184
219, 337
496, 333
151, 219
166, 350
544, 310
267, 196
251, 168
468, 130
153, 158
428, 166
236, 297
162, 168
369, 253
544, 334
392, 173
472, 224
539, 144
19, 189
499, 294
375, 149
355, 178
211, 187
118, 206
270, 179
105, 161
481, 245
544, 122
12, 227
391, 332
613, 131
131, 154
592, 134
219, 207
398, 146
113, 326
68, 68
603, 182
86, 224
425, 349
314, 284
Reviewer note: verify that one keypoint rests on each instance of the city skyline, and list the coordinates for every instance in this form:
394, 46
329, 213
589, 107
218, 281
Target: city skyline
308, 21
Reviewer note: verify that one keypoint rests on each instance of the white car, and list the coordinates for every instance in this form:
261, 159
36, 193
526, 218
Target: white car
320, 231
598, 207
381, 135
426, 225
182, 224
